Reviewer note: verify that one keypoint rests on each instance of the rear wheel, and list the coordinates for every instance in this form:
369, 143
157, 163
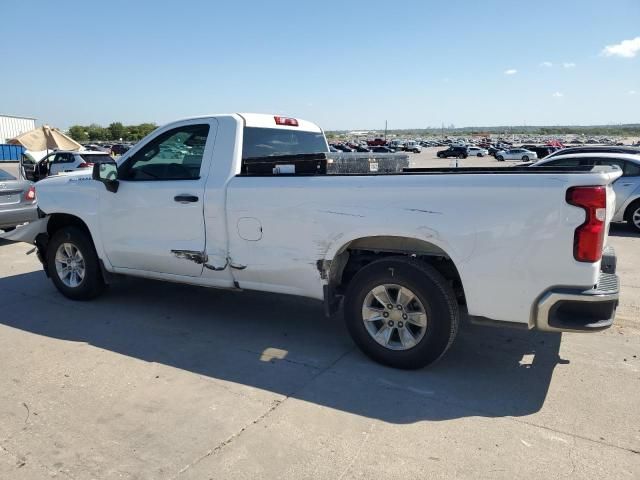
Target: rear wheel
479, 155
632, 216
500, 158
401, 312
461, 156
525, 158
73, 264
440, 155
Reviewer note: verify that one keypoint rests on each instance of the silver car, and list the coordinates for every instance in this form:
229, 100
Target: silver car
17, 201
627, 187
516, 154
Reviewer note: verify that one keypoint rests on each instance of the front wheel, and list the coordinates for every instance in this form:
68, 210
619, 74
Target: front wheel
525, 158
500, 158
401, 312
479, 155
73, 264
632, 216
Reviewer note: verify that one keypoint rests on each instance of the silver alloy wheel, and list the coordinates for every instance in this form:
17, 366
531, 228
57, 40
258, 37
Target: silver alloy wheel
70, 265
635, 218
394, 317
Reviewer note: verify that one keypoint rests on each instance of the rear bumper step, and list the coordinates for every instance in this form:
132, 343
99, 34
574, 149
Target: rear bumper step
572, 310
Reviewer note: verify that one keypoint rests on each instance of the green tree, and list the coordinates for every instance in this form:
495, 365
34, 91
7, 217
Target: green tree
78, 133
96, 132
116, 131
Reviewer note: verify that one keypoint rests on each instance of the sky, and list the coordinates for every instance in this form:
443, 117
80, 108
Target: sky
346, 64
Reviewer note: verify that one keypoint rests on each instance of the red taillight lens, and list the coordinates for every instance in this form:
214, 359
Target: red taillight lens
589, 237
31, 194
292, 122
85, 165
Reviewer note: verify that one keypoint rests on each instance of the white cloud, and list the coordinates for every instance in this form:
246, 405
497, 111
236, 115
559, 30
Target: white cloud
632, 92
625, 49
558, 95
568, 64
511, 71
546, 64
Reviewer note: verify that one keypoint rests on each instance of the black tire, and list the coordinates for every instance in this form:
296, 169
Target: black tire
500, 158
461, 156
525, 158
479, 155
632, 209
92, 284
440, 155
433, 291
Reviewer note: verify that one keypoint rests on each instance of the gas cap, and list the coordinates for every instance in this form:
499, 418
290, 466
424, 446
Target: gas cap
250, 229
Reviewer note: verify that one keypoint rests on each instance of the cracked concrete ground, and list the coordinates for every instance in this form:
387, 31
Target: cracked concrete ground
164, 381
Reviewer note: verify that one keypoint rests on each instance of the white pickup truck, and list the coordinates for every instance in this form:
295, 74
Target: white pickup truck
240, 201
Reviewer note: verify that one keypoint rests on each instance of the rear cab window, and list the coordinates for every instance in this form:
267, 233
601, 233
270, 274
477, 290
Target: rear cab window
261, 142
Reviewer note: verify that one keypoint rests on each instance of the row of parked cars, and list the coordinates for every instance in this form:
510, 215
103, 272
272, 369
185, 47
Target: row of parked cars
391, 147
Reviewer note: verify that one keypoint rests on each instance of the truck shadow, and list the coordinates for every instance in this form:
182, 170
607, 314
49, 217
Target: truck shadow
286, 345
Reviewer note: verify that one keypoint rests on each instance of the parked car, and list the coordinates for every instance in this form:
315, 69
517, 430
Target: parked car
382, 150
412, 147
516, 154
218, 213
362, 149
453, 151
17, 201
60, 161
477, 152
119, 149
627, 187
376, 142
596, 149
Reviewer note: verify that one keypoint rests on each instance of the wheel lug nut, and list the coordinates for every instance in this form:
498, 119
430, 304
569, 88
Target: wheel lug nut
385, 314
400, 324
390, 323
404, 316
399, 307
390, 307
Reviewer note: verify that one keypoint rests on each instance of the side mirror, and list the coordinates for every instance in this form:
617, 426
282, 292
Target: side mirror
107, 173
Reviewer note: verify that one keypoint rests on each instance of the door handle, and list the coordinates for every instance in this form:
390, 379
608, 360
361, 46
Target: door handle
185, 198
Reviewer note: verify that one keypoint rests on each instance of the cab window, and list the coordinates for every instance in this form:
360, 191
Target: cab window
173, 155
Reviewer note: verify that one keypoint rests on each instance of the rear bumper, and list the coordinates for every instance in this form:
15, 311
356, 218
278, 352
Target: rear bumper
575, 310
18, 216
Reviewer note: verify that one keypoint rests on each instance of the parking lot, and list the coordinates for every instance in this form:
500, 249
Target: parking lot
162, 381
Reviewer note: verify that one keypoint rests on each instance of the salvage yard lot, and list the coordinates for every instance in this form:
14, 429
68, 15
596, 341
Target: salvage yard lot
162, 381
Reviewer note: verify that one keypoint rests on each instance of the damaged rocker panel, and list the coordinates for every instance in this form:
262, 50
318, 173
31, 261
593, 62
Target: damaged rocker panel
201, 258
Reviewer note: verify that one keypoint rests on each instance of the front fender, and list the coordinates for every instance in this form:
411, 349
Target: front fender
27, 233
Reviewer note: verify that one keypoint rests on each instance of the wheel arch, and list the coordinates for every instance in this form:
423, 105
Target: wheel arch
57, 221
342, 262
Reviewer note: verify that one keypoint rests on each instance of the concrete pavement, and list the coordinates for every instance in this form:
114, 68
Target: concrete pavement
163, 381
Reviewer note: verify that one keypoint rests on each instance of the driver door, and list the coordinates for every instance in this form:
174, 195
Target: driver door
158, 207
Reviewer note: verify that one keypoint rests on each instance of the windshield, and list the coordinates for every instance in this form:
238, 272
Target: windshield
6, 176
267, 142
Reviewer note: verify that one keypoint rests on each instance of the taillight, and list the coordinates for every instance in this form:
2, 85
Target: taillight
85, 165
292, 122
31, 194
589, 237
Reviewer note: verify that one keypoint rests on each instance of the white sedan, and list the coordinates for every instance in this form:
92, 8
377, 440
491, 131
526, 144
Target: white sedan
516, 154
477, 152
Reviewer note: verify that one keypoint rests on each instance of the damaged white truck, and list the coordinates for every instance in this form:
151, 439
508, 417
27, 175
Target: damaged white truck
243, 201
